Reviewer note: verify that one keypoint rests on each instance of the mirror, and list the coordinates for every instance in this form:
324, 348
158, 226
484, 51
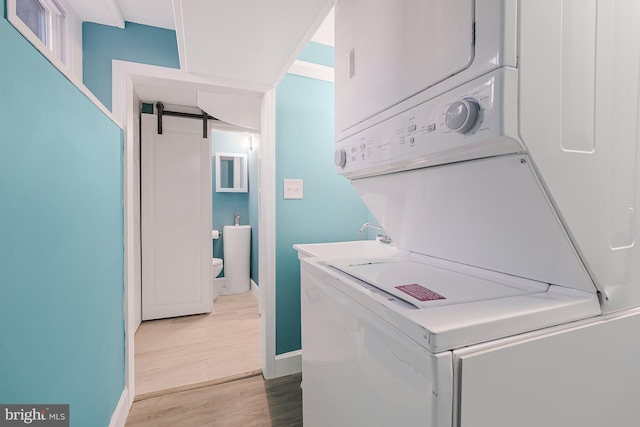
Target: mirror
231, 173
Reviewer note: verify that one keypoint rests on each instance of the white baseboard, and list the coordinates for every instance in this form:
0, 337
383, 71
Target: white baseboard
288, 363
120, 414
220, 287
255, 290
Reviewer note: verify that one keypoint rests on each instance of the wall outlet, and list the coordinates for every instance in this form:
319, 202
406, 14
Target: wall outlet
293, 188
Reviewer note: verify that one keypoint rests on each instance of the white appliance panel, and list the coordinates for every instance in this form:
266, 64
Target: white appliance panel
580, 121
391, 50
489, 213
420, 137
584, 376
394, 54
359, 370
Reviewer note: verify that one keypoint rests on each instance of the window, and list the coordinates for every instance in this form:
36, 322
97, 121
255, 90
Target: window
45, 19
33, 14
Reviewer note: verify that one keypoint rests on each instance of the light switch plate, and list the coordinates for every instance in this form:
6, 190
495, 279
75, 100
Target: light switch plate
293, 188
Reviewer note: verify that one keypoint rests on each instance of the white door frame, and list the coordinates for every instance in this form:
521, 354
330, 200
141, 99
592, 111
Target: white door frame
125, 75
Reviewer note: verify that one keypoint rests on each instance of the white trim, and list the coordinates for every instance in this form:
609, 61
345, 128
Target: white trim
328, 6
131, 313
161, 76
255, 291
120, 414
115, 12
311, 70
219, 286
267, 232
289, 363
74, 52
50, 56
125, 76
178, 17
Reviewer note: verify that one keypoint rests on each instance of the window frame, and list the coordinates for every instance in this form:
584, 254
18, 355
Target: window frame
72, 69
56, 48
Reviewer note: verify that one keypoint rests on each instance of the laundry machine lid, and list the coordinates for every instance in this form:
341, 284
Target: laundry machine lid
443, 305
424, 285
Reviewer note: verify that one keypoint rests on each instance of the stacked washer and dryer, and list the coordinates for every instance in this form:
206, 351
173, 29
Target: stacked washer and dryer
496, 142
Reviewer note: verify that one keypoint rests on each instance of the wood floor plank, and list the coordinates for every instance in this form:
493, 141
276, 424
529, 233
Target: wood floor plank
198, 349
246, 402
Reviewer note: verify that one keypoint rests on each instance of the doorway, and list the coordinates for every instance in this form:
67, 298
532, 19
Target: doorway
180, 350
125, 77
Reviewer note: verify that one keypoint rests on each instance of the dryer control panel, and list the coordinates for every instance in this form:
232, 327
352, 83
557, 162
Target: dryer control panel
478, 119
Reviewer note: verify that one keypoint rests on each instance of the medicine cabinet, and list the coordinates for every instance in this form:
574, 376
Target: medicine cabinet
231, 173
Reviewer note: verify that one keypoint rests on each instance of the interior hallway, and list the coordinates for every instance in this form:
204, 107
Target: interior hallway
175, 354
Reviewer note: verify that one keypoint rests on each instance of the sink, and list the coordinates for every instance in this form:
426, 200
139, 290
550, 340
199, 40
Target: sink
354, 249
237, 255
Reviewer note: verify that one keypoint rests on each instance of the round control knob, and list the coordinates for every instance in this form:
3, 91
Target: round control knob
462, 115
340, 157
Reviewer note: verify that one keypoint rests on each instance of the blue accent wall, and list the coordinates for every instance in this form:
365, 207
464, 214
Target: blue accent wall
61, 241
318, 54
330, 210
136, 43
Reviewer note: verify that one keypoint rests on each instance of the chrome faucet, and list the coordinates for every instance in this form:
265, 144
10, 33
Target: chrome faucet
237, 219
383, 238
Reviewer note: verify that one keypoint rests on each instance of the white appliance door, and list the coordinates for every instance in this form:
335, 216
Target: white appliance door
389, 50
176, 219
585, 376
357, 370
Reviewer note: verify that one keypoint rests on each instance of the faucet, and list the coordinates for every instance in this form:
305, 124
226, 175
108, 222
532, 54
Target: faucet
237, 218
383, 238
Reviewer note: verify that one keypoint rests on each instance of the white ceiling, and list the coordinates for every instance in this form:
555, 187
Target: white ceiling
254, 41
157, 13
250, 42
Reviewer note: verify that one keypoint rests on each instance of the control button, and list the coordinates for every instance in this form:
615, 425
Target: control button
412, 140
431, 127
363, 146
340, 157
462, 115
412, 128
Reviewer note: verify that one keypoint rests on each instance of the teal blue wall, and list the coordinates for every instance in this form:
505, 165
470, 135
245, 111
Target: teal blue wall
318, 54
330, 210
61, 245
136, 43
225, 205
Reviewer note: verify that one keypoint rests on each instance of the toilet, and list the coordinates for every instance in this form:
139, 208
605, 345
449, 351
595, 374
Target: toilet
217, 268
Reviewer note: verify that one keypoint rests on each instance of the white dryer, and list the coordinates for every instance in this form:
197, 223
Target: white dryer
495, 141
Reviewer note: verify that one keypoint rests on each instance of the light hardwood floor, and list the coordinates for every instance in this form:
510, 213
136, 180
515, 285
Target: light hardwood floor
245, 402
175, 354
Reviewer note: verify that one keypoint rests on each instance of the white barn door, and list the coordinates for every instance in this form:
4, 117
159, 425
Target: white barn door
176, 219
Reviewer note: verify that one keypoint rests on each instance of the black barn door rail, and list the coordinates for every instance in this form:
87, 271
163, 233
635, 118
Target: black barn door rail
204, 117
